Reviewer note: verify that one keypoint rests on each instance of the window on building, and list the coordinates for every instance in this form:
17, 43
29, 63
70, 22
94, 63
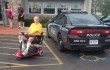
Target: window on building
49, 8
75, 6
62, 6
35, 7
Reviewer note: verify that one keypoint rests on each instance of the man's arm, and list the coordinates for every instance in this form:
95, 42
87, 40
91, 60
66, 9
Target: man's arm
33, 32
22, 13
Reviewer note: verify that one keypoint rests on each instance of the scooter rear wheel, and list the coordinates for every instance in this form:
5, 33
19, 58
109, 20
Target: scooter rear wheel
40, 52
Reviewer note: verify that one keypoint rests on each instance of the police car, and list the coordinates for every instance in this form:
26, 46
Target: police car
78, 30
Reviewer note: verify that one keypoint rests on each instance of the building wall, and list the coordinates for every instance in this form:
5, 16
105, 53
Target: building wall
84, 5
14, 4
88, 5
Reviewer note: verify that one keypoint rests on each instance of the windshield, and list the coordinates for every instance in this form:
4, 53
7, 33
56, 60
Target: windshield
83, 19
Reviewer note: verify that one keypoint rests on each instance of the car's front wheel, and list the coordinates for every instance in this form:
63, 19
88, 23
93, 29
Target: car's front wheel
60, 43
48, 34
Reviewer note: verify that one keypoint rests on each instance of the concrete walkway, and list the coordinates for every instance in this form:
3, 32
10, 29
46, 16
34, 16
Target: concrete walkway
8, 30
14, 30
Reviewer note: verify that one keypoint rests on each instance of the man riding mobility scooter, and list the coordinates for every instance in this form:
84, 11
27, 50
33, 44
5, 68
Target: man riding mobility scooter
34, 35
33, 50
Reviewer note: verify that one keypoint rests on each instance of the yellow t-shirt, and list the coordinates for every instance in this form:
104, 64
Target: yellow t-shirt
36, 27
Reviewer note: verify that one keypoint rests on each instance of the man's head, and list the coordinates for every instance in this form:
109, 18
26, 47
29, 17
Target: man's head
19, 5
36, 19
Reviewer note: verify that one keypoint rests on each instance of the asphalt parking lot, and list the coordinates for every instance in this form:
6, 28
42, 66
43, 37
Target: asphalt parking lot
52, 59
8, 48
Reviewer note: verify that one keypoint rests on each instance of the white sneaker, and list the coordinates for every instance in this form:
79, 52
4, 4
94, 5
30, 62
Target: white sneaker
24, 52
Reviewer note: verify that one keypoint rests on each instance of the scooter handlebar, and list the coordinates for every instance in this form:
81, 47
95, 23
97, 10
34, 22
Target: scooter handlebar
21, 33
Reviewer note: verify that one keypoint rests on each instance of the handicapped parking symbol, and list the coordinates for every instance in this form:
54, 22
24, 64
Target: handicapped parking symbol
90, 58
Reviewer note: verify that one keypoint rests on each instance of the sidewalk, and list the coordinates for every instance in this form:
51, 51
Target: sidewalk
8, 30
14, 30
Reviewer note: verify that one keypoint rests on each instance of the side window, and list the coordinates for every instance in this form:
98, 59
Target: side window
54, 19
57, 19
63, 20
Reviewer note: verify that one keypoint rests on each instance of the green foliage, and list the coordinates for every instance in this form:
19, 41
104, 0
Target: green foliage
28, 22
43, 21
105, 7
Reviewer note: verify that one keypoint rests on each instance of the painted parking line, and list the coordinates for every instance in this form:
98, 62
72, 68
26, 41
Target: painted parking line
8, 40
8, 36
7, 54
13, 63
17, 49
9, 48
46, 58
59, 61
29, 65
8, 43
26, 65
36, 57
13, 44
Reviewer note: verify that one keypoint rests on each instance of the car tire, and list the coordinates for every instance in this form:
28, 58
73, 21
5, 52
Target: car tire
60, 44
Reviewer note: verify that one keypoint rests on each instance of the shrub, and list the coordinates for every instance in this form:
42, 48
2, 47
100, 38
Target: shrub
28, 22
43, 21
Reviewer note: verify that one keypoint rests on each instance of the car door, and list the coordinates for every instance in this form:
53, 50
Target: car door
51, 26
60, 25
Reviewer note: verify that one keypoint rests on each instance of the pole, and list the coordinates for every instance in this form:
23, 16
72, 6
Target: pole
5, 19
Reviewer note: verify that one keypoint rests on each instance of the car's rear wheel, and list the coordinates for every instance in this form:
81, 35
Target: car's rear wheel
60, 43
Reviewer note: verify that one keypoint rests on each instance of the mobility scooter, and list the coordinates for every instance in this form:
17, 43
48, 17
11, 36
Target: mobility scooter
33, 50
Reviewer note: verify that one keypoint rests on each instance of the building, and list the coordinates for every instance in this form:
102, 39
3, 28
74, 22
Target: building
53, 7
45, 7
3, 5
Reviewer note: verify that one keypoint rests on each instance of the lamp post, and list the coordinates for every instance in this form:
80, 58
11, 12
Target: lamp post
95, 6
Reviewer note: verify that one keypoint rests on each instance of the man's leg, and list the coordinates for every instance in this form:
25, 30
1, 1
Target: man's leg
23, 24
25, 52
21, 39
23, 21
19, 22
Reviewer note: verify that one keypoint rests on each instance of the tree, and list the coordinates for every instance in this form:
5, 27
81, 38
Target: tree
102, 6
105, 7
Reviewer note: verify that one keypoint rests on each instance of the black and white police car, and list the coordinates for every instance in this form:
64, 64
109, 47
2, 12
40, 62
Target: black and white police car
79, 30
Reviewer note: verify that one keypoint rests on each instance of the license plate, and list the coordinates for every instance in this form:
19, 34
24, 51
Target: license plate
93, 42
